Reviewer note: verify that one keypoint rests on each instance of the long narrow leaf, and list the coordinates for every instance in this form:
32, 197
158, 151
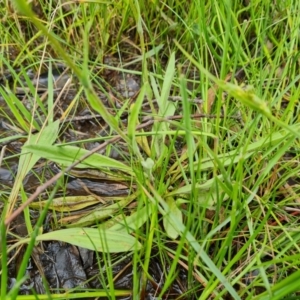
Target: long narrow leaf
28, 160
67, 155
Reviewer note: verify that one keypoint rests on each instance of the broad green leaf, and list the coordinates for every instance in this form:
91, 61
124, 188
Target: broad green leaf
148, 167
148, 164
170, 223
45, 138
94, 239
66, 155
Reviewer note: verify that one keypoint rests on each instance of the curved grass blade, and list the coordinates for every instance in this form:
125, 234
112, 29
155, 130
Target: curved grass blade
20, 112
28, 160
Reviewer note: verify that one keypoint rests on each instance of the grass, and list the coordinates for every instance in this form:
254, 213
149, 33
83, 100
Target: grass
213, 183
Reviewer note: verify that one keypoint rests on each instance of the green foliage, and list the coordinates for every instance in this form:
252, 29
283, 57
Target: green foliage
211, 176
